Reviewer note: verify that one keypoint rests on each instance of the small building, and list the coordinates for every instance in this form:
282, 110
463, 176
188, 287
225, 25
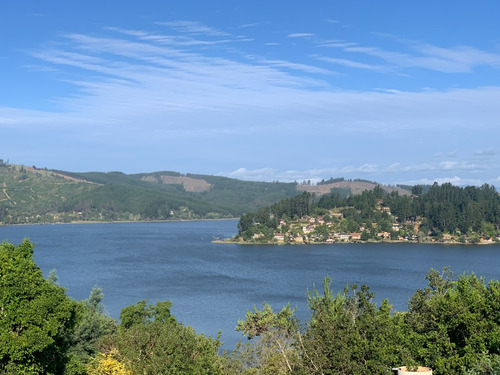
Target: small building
344, 236
486, 239
299, 239
280, 237
384, 234
355, 236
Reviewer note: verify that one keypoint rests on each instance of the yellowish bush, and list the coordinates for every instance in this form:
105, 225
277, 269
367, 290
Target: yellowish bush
108, 364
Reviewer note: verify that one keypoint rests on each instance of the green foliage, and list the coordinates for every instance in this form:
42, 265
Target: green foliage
36, 317
278, 335
93, 325
452, 326
347, 334
455, 321
487, 365
295, 207
151, 341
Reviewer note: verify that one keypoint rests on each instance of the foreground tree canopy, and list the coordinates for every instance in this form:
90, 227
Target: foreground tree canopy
452, 326
36, 316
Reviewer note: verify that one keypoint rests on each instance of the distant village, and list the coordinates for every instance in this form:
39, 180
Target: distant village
330, 228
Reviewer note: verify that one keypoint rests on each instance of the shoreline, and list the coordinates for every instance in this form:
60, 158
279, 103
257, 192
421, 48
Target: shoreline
118, 222
229, 241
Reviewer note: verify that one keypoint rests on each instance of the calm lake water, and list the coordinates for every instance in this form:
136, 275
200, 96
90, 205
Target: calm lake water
212, 285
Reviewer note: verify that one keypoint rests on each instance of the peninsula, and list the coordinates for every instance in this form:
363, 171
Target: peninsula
437, 213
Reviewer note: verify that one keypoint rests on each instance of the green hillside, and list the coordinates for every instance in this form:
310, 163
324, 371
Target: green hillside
31, 195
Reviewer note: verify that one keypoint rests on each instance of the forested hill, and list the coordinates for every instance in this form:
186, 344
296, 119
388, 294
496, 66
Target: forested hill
444, 213
34, 195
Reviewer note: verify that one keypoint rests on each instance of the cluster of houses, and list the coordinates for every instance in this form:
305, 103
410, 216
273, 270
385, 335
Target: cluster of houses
306, 231
311, 229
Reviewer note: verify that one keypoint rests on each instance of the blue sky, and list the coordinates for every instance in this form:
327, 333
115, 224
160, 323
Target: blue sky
390, 91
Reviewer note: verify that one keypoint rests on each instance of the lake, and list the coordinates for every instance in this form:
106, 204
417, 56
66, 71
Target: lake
212, 285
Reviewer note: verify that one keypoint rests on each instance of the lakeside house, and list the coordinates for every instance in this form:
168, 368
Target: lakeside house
384, 235
356, 236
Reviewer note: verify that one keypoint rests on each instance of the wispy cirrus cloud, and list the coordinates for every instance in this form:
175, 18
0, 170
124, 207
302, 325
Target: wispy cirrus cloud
300, 35
302, 67
353, 64
133, 77
177, 40
194, 28
459, 59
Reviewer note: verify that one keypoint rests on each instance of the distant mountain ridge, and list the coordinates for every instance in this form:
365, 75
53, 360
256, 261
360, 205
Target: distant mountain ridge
353, 187
34, 195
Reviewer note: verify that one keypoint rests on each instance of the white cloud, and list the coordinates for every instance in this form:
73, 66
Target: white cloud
300, 35
435, 166
460, 59
262, 174
455, 180
352, 64
193, 27
177, 40
365, 168
487, 152
302, 67
173, 88
447, 165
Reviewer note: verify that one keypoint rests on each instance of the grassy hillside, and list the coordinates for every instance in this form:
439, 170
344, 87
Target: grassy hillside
31, 195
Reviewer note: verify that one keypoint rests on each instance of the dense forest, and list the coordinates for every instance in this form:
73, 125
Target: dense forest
430, 213
452, 326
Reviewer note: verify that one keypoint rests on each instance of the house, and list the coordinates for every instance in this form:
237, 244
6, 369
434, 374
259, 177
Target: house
280, 237
344, 236
299, 239
384, 234
486, 239
308, 229
355, 236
